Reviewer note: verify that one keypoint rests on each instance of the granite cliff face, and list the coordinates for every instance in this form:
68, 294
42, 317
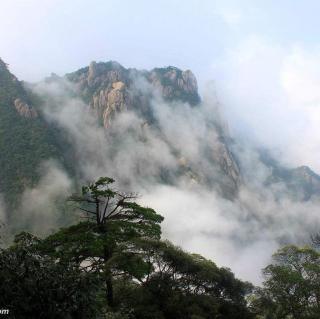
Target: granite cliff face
24, 109
109, 89
228, 166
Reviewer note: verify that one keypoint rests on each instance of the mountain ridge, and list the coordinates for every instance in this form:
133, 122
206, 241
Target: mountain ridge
110, 89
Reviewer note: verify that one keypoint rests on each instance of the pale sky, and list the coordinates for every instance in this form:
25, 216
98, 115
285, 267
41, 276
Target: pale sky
43, 36
264, 56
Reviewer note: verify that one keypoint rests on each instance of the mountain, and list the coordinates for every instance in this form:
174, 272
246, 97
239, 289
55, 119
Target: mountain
110, 89
305, 181
28, 137
301, 182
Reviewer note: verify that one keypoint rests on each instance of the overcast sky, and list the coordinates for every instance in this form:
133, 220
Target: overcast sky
264, 56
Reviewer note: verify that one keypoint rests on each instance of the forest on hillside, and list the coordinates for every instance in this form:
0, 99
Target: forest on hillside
112, 263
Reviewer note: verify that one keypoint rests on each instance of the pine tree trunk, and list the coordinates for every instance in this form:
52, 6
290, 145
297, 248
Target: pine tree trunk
108, 278
109, 291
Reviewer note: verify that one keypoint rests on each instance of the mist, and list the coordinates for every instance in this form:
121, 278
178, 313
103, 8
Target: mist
270, 96
240, 233
40, 205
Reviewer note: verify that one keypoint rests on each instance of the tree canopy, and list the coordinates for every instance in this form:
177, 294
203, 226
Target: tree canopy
113, 264
292, 285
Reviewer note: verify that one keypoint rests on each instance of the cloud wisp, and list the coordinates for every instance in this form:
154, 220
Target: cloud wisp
241, 233
270, 95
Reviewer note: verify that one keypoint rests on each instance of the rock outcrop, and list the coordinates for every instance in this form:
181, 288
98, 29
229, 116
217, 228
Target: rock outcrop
228, 165
173, 83
109, 101
301, 182
25, 109
110, 88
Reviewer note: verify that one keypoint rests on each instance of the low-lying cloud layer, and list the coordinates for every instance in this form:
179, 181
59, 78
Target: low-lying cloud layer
40, 205
240, 234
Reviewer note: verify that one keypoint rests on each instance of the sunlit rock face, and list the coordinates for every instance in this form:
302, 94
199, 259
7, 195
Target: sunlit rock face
25, 109
110, 88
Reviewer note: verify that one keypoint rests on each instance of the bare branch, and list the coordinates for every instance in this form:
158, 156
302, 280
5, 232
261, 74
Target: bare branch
86, 210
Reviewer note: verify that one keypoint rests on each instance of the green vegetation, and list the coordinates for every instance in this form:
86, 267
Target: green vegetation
24, 143
114, 265
292, 286
34, 285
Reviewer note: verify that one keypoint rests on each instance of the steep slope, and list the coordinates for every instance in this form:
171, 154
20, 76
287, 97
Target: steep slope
109, 88
25, 139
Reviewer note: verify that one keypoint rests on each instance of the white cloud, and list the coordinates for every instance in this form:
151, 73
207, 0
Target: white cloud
300, 78
271, 95
241, 234
38, 206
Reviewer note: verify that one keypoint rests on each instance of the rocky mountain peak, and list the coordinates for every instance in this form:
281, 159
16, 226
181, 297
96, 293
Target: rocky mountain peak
306, 175
97, 84
109, 89
175, 84
100, 72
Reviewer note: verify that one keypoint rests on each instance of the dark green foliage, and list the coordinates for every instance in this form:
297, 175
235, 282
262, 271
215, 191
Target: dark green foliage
114, 265
24, 142
182, 285
292, 286
34, 285
107, 238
